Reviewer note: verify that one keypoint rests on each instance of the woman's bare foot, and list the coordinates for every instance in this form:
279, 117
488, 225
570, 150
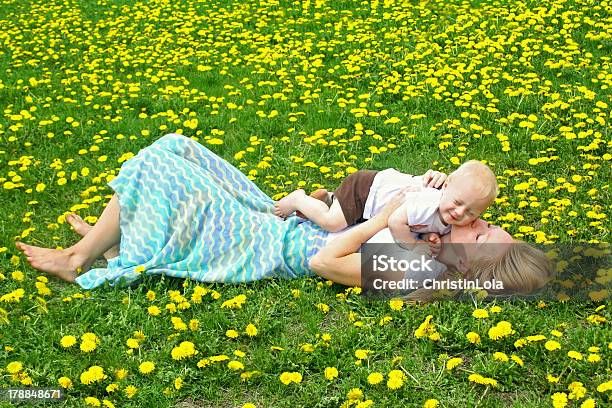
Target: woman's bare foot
287, 205
61, 263
78, 224
320, 194
82, 228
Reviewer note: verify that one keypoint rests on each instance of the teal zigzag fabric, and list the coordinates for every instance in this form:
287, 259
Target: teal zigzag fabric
187, 213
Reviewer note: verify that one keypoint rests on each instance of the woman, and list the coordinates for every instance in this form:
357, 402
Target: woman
182, 211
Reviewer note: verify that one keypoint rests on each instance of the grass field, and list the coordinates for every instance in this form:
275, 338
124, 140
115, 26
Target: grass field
301, 94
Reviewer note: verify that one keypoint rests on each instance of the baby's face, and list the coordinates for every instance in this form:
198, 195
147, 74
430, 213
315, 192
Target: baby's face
462, 202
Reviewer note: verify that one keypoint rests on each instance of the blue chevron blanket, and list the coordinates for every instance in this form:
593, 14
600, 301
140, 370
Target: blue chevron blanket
187, 213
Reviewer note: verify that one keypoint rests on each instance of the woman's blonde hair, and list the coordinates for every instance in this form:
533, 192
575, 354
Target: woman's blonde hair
522, 270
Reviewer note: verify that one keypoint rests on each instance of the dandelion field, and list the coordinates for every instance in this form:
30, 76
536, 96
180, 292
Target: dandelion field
299, 95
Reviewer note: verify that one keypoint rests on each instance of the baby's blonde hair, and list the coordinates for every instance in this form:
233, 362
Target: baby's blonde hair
522, 270
485, 178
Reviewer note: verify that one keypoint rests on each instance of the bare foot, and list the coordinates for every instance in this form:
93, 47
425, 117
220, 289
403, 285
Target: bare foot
320, 194
287, 205
61, 263
82, 228
78, 224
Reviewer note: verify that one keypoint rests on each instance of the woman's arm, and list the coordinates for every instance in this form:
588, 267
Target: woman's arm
339, 260
400, 230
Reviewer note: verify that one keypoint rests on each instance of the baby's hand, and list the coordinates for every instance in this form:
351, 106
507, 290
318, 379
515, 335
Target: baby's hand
434, 242
433, 179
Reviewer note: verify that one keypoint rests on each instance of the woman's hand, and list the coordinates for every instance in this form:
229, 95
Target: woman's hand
434, 179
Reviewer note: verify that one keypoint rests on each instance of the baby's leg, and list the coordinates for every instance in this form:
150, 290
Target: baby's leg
320, 194
289, 204
329, 218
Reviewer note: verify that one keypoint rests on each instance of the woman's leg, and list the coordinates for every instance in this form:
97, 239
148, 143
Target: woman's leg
65, 263
82, 228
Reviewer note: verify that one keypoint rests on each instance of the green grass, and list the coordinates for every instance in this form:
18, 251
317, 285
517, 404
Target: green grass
412, 59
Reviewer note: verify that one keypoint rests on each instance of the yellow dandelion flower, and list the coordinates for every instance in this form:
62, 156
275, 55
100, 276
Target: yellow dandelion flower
520, 343
375, 378
552, 345
500, 330
479, 379
435, 336
92, 401
354, 394
18, 276
499, 356
232, 334
396, 304
453, 362
132, 343
130, 391
14, 367
588, 403
146, 367
517, 360
425, 329
574, 355
289, 377
68, 341
121, 373
235, 365
194, 324
285, 378
251, 330
307, 347
108, 404
473, 337
234, 303
559, 399
603, 387
185, 350
331, 373
594, 358
395, 383
323, 307
65, 382
154, 310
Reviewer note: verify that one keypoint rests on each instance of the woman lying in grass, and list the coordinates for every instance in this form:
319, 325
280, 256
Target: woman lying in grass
180, 210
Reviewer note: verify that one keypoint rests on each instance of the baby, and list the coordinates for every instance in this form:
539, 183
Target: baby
466, 193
